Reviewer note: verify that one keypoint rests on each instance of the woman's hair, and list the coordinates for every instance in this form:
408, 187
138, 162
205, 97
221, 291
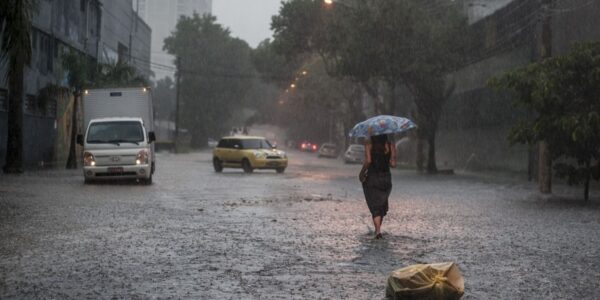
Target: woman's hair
379, 139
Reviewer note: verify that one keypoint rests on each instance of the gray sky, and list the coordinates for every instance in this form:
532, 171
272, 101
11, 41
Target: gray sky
249, 20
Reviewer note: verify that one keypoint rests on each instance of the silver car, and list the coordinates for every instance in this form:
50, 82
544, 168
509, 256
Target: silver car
355, 154
328, 150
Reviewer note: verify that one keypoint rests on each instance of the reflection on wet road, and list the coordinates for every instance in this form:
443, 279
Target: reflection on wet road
305, 234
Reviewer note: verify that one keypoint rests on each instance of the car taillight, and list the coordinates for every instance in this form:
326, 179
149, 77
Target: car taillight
314, 147
142, 157
88, 159
303, 145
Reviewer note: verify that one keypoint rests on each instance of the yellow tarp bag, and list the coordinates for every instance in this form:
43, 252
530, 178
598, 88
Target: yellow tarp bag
426, 281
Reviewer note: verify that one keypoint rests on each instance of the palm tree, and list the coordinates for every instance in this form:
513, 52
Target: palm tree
15, 47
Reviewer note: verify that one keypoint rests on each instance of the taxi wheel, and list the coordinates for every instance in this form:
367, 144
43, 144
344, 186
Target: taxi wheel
246, 166
218, 165
280, 170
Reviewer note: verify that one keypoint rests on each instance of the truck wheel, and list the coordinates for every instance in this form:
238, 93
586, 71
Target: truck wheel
280, 170
246, 166
218, 165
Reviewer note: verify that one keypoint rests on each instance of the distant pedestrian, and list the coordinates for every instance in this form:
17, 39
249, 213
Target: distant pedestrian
380, 155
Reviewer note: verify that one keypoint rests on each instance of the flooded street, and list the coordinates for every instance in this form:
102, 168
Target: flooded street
304, 234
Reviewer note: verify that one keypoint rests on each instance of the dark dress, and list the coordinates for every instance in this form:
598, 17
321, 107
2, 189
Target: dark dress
378, 185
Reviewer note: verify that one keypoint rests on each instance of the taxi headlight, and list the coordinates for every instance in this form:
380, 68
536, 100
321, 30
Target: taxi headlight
142, 157
88, 159
259, 154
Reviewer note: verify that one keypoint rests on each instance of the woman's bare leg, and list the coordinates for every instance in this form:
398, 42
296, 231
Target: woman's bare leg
377, 222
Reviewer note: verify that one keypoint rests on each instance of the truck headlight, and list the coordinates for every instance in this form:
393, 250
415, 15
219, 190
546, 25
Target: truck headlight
88, 159
142, 157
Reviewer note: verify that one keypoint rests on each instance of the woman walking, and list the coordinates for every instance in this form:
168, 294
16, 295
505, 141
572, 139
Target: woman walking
377, 183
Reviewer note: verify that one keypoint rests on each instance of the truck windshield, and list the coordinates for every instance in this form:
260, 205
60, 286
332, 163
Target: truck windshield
115, 132
256, 144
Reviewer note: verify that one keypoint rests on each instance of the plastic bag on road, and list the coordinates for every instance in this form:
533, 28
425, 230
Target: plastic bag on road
426, 281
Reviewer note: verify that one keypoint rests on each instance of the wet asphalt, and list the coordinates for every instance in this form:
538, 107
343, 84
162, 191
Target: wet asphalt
305, 234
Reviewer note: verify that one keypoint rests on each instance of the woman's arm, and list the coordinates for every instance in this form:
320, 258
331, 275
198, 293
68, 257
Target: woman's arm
393, 156
368, 158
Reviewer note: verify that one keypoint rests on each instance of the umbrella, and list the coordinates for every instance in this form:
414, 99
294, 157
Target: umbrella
382, 125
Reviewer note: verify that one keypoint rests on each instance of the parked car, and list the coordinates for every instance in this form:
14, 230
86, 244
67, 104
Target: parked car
248, 153
308, 146
328, 150
212, 143
354, 154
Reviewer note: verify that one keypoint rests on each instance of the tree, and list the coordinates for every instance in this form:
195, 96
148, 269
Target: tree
164, 99
15, 47
562, 92
318, 103
216, 72
397, 42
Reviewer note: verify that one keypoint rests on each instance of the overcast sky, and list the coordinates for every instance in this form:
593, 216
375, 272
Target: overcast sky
249, 20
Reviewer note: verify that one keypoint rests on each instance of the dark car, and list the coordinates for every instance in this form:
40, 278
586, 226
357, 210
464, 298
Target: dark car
308, 146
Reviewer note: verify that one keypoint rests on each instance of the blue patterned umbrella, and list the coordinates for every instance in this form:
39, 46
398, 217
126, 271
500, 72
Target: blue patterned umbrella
381, 125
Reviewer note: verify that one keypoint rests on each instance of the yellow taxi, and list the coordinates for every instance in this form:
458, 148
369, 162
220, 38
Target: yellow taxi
248, 153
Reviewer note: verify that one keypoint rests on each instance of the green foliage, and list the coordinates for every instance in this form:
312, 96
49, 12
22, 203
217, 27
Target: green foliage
297, 27
216, 72
273, 67
562, 92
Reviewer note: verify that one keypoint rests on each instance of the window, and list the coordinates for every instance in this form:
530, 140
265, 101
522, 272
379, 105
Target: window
51, 108
256, 144
30, 105
224, 143
115, 132
3, 100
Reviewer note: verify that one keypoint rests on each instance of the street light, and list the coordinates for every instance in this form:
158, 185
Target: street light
330, 3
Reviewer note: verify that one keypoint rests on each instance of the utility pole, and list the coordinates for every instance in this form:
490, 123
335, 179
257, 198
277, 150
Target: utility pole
545, 159
177, 89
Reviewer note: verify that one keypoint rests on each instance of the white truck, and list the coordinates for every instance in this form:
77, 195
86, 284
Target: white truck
119, 136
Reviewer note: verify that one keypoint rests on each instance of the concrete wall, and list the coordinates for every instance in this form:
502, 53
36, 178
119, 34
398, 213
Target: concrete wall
574, 21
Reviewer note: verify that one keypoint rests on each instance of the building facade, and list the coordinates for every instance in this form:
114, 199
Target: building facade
58, 27
162, 16
476, 120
